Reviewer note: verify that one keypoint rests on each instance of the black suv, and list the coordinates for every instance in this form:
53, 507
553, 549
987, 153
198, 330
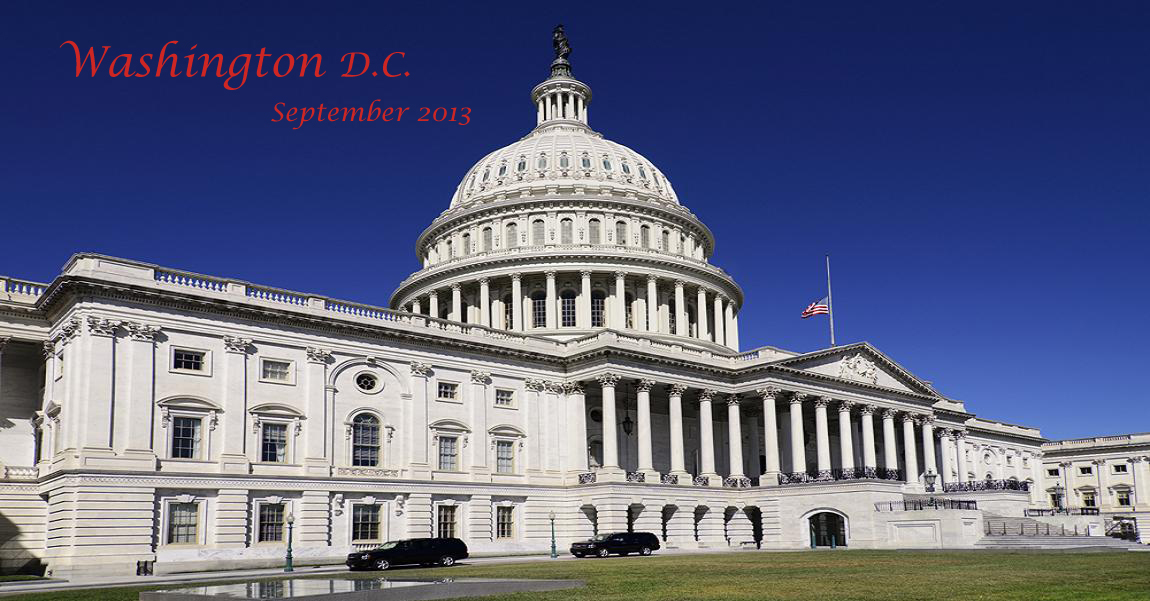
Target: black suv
621, 543
424, 551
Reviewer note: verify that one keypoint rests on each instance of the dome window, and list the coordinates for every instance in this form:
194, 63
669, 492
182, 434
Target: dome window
642, 172
606, 163
486, 174
542, 162
564, 161
626, 168
585, 161
522, 166
502, 169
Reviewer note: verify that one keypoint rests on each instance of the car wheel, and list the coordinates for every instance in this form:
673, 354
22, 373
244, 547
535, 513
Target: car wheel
604, 552
447, 561
577, 554
382, 564
645, 551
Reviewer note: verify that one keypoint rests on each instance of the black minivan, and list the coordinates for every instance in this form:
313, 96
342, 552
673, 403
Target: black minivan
411, 551
619, 543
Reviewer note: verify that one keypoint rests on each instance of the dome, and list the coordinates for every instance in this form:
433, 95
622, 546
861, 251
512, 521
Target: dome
564, 154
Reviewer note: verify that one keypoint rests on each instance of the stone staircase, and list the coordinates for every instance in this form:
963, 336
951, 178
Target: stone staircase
1009, 532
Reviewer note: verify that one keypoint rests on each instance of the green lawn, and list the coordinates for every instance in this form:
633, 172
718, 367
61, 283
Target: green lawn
803, 576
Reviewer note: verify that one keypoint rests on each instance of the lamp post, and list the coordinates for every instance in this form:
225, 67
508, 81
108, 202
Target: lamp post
288, 567
930, 477
554, 552
1058, 490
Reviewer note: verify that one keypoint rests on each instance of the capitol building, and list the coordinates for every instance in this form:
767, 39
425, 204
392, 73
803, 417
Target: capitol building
567, 354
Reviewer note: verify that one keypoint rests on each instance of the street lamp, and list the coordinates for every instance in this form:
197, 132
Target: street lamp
930, 477
554, 552
288, 567
1058, 490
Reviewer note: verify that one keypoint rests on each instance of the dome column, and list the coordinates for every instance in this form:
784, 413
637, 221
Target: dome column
729, 326
416, 307
681, 325
433, 303
675, 406
707, 436
583, 316
610, 423
643, 409
456, 303
516, 303
484, 302
719, 337
551, 298
619, 302
652, 304
702, 332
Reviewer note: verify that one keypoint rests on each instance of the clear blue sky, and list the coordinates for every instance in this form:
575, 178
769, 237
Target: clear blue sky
978, 170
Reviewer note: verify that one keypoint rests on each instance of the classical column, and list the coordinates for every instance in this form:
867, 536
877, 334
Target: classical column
643, 400
652, 304
484, 302
576, 425
456, 303
733, 332
798, 447
734, 437
678, 459
960, 447
945, 445
910, 457
729, 325
702, 332
416, 307
706, 434
889, 451
868, 454
719, 338
433, 304
822, 436
610, 437
619, 306
551, 299
681, 325
516, 303
1140, 476
770, 435
927, 422
583, 316
846, 442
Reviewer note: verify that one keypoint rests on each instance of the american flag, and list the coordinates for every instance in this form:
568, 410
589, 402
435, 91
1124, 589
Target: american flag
817, 308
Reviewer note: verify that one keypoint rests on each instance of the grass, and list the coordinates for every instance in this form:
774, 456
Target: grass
800, 576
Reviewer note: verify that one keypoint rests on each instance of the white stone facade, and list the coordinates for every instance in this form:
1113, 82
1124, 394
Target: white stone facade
566, 352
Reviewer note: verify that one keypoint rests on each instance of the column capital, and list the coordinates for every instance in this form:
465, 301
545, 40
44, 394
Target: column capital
868, 409
484, 281
733, 399
846, 406
550, 273
515, 277
317, 355
455, 286
769, 392
679, 284
480, 377
620, 275
553, 386
608, 380
889, 414
707, 394
944, 433
722, 297
573, 387
419, 370
102, 326
235, 344
586, 273
822, 402
676, 389
644, 385
927, 420
4, 340
1136, 459
798, 397
141, 331
49, 349
908, 417
534, 385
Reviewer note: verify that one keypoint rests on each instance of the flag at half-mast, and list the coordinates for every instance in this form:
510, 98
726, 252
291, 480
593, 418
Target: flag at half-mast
821, 307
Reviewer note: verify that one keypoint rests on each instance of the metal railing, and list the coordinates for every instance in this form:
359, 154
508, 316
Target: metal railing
1035, 529
587, 478
1063, 511
979, 485
925, 504
669, 479
636, 477
868, 473
740, 482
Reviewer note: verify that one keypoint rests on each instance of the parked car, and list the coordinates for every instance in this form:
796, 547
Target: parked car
619, 543
411, 551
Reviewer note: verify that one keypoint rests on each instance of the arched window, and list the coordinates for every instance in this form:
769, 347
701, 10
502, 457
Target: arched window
522, 165
606, 163
620, 232
539, 310
365, 440
508, 316
566, 236
486, 174
450, 250
502, 169
594, 231
464, 313
672, 316
628, 310
466, 245
567, 308
645, 236
666, 241
542, 162
642, 172
511, 240
585, 161
537, 233
625, 167
564, 161
487, 236
598, 308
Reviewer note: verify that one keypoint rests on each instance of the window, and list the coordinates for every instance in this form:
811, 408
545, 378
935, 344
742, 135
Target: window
504, 457
365, 440
620, 232
271, 522
183, 521
487, 237
508, 313
566, 235
594, 231
542, 162
504, 397
274, 370
1119, 468
606, 163
466, 244
188, 360
450, 250
1088, 499
564, 162
628, 310
1124, 498
1053, 473
1085, 471
645, 236
642, 172
539, 310
521, 166
502, 169
537, 233
273, 443
585, 161
598, 308
446, 521
567, 308
625, 167
672, 316
367, 382
186, 437
364, 522
504, 522
512, 238
666, 243
447, 391
448, 453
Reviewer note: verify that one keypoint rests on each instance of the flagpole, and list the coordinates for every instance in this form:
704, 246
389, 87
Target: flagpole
830, 302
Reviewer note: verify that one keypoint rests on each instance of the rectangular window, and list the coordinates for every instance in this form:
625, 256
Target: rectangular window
365, 441
446, 522
274, 370
188, 360
1052, 473
448, 453
539, 312
504, 456
273, 443
504, 397
1119, 468
1088, 499
567, 311
598, 309
1085, 471
504, 522
1124, 498
271, 522
364, 522
186, 437
183, 520
448, 391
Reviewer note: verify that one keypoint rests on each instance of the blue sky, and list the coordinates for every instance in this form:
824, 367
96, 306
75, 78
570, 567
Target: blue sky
978, 170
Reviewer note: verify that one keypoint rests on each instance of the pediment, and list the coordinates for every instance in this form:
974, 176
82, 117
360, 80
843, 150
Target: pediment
860, 363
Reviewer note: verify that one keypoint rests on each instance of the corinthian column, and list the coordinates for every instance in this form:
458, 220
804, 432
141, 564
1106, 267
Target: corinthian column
456, 303
798, 449
652, 304
911, 458
484, 302
549, 311
734, 437
678, 459
706, 434
822, 437
928, 458
867, 427
960, 443
583, 316
719, 338
681, 325
646, 463
846, 444
516, 303
770, 435
889, 451
619, 305
702, 332
610, 437
946, 444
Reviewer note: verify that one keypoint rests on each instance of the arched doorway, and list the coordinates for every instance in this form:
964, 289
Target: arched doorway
828, 530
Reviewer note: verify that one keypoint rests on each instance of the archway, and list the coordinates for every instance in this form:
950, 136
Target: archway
828, 529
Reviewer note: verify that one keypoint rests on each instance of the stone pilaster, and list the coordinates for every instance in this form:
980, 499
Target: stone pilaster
319, 421
418, 440
234, 457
